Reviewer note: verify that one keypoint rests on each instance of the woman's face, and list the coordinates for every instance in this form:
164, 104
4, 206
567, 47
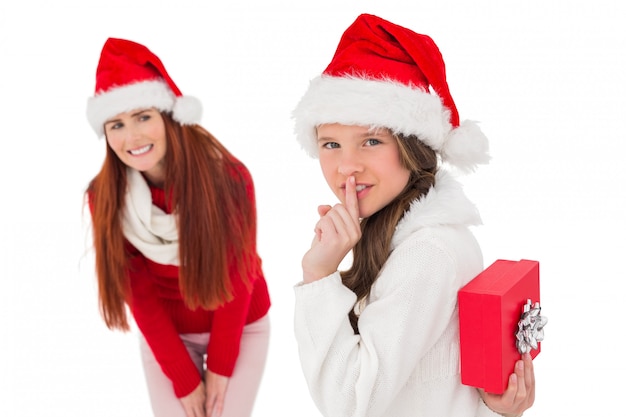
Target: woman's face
138, 139
371, 156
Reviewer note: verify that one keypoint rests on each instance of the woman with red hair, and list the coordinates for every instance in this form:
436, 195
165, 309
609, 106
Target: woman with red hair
174, 232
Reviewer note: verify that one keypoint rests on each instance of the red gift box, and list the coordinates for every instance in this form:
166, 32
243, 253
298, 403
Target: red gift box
490, 307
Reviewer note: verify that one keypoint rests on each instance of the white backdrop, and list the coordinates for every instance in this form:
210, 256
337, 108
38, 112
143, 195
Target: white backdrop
545, 78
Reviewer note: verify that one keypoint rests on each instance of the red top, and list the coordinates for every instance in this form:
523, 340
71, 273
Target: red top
161, 315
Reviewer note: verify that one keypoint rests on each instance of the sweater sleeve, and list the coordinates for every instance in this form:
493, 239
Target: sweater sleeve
156, 326
159, 331
230, 319
411, 306
228, 323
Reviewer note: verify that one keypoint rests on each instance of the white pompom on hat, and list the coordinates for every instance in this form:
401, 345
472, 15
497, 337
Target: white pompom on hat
384, 75
128, 77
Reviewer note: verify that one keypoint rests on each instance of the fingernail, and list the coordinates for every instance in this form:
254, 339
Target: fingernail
520, 365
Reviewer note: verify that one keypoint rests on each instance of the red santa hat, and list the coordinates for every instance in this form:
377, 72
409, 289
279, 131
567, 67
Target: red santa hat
384, 75
129, 76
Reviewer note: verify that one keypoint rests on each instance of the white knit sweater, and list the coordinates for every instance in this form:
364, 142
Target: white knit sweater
405, 361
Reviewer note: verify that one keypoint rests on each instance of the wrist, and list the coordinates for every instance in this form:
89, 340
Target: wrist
315, 272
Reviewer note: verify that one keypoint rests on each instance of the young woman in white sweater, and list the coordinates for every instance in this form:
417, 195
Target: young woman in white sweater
382, 338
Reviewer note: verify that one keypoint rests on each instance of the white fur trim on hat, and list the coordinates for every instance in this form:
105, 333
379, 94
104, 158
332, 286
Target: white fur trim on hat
144, 94
374, 103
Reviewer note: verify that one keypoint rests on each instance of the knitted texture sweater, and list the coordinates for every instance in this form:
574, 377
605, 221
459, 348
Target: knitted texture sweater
405, 361
161, 315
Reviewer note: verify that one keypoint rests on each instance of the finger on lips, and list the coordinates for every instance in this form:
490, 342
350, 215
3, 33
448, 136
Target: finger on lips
352, 202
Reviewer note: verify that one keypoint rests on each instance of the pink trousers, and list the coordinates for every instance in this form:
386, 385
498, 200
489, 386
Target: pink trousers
242, 386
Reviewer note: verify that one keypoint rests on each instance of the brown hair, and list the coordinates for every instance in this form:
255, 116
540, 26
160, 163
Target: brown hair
210, 194
372, 250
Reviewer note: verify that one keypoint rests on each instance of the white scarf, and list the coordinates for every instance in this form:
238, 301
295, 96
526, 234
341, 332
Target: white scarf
148, 228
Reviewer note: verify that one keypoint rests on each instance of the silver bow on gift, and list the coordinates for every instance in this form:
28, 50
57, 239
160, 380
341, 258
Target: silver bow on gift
530, 327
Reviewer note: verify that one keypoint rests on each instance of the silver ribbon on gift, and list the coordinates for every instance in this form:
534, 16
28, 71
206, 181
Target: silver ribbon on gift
530, 327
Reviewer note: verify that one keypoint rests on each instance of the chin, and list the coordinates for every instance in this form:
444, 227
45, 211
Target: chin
363, 214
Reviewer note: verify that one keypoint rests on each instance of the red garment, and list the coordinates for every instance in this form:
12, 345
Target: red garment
161, 315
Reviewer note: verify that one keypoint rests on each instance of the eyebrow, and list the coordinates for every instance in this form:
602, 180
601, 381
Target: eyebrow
138, 112
376, 132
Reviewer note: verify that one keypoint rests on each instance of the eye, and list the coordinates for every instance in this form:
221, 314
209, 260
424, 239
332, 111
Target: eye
143, 117
330, 145
115, 126
372, 142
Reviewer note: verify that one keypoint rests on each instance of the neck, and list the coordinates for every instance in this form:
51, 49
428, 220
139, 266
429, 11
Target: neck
155, 177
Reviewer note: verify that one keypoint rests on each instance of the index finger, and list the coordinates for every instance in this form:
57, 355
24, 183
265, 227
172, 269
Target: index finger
352, 201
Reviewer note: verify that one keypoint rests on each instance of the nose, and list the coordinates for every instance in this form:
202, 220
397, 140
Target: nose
350, 163
132, 131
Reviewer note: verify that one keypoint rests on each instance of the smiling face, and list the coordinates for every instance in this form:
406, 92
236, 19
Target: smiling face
371, 156
138, 139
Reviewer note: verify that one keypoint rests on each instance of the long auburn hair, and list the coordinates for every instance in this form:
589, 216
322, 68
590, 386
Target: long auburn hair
210, 196
372, 250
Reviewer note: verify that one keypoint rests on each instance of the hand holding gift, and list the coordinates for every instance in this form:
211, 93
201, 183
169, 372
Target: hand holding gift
519, 395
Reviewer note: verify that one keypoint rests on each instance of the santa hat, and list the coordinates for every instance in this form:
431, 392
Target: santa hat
129, 76
384, 75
